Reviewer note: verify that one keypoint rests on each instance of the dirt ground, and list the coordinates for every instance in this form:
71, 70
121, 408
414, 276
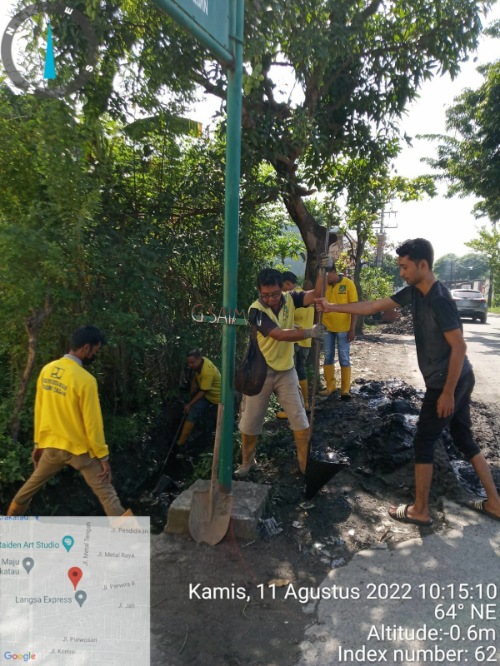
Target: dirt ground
304, 541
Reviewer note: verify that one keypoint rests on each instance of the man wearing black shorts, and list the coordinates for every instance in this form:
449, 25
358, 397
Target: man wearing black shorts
447, 373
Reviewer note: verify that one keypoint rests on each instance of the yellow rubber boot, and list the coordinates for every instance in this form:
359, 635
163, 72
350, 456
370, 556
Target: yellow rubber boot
281, 415
16, 509
187, 428
305, 392
302, 444
331, 384
127, 518
248, 448
345, 383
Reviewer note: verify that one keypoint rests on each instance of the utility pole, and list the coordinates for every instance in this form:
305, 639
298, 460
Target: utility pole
382, 236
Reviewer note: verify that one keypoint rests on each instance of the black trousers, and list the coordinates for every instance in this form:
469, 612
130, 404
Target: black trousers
430, 426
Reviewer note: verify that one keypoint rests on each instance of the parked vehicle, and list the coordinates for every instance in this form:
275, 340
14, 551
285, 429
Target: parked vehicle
470, 303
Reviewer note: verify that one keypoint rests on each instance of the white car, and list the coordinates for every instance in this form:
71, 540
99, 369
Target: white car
470, 303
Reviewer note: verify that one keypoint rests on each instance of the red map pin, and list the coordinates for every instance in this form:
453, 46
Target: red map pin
75, 575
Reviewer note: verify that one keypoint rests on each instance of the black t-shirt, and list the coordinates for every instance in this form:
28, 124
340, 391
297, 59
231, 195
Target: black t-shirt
433, 314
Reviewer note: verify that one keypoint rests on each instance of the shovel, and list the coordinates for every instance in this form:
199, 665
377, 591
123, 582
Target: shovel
165, 481
318, 472
211, 509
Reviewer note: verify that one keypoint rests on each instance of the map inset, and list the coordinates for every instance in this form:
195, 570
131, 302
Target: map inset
74, 591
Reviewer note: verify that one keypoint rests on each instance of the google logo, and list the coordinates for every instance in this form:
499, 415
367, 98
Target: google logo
27, 656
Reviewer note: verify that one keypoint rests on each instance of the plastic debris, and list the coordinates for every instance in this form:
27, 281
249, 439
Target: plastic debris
268, 528
335, 564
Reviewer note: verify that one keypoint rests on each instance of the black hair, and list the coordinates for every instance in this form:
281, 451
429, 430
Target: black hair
87, 335
269, 277
288, 276
418, 249
195, 353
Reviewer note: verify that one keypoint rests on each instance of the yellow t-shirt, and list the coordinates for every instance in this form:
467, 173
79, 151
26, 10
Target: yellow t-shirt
278, 354
342, 292
209, 380
304, 318
67, 410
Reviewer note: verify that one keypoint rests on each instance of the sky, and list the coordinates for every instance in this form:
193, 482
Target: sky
447, 223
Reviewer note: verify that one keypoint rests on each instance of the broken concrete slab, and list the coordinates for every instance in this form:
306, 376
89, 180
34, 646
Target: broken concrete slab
249, 501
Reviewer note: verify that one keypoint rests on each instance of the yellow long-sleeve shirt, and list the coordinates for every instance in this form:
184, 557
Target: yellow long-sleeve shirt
67, 410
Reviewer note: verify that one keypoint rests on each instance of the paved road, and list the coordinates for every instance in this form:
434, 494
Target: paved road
427, 601
483, 348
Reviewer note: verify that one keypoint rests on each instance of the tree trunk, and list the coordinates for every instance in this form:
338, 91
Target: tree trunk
313, 234
33, 327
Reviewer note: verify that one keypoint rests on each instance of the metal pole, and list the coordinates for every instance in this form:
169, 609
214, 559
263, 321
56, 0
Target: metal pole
233, 159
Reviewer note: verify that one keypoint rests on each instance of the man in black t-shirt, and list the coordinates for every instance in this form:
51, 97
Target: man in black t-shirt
447, 373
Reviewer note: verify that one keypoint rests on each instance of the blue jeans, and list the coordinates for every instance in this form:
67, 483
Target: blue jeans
198, 410
343, 347
301, 354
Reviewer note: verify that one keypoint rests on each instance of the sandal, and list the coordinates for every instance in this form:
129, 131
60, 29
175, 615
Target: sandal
401, 514
478, 505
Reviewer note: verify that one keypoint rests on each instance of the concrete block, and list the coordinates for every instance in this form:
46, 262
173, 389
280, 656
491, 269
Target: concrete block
249, 501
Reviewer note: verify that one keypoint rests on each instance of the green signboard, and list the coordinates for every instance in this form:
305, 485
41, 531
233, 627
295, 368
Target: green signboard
207, 20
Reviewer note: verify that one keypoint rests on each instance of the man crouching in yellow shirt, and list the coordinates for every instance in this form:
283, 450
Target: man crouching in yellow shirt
206, 391
68, 425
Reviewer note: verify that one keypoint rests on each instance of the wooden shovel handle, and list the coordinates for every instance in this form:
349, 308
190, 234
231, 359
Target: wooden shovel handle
215, 459
317, 349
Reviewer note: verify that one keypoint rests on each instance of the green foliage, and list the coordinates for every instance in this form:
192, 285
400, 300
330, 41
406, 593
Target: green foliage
353, 67
203, 467
488, 242
132, 430
289, 245
375, 283
452, 269
468, 157
126, 233
14, 461
120, 222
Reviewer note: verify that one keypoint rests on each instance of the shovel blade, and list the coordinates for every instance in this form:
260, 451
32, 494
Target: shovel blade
209, 516
318, 473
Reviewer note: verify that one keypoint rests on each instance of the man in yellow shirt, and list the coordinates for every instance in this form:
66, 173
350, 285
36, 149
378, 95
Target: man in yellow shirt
273, 313
341, 331
304, 318
207, 382
68, 425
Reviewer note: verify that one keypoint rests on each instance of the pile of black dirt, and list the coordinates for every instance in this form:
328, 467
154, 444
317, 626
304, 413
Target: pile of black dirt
375, 431
370, 435
403, 325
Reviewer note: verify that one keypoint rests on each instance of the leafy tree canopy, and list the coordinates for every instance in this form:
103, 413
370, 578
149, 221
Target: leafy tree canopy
352, 67
469, 157
468, 267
